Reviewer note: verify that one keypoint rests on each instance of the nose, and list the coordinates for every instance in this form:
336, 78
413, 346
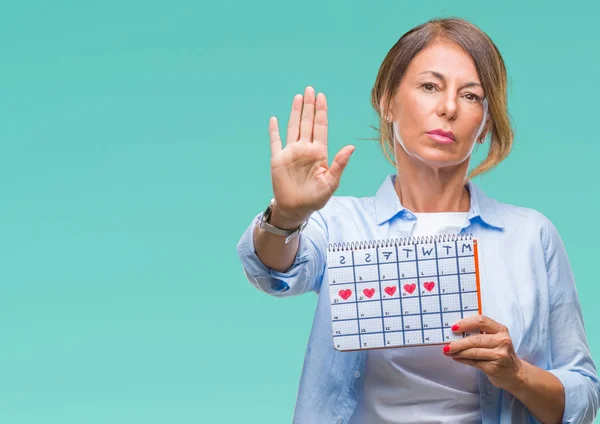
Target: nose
447, 106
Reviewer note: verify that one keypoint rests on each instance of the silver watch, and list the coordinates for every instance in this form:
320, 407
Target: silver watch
288, 234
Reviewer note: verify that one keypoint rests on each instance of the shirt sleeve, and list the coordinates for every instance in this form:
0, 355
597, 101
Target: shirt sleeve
571, 363
307, 270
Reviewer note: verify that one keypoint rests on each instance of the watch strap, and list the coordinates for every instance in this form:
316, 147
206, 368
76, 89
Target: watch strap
288, 234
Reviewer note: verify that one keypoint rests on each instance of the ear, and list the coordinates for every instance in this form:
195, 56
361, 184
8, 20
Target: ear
387, 115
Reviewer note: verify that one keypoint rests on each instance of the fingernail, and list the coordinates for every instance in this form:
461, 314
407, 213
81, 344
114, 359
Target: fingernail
447, 348
455, 327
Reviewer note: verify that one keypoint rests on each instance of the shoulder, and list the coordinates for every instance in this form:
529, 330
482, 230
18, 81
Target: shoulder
341, 211
507, 215
514, 214
526, 222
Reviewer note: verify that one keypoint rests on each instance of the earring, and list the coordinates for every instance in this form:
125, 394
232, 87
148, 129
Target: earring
387, 118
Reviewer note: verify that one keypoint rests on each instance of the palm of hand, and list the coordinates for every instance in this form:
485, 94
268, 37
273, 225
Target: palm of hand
302, 180
301, 173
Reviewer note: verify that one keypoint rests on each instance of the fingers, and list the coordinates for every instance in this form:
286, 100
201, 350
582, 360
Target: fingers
303, 124
481, 347
478, 354
320, 127
478, 341
339, 163
469, 362
274, 136
480, 322
308, 115
293, 128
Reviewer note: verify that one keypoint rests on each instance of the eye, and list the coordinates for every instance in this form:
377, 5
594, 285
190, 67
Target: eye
428, 87
472, 97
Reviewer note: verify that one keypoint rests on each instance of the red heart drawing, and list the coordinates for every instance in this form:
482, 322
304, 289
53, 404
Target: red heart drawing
410, 288
429, 285
369, 292
345, 294
390, 290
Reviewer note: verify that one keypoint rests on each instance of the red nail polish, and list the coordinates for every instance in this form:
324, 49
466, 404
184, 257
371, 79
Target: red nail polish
455, 327
446, 348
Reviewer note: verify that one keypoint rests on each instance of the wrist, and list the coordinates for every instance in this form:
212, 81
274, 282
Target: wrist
520, 379
284, 220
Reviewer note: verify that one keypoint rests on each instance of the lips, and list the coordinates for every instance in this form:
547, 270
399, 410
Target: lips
447, 134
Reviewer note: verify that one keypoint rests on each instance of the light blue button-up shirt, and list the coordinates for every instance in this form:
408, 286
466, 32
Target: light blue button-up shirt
526, 285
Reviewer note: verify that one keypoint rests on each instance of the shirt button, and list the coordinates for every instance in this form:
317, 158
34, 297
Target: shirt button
339, 421
356, 374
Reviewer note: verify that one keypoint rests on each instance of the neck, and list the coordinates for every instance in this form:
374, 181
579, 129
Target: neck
425, 189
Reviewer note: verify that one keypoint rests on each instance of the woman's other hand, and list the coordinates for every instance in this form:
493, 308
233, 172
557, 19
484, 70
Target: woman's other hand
492, 351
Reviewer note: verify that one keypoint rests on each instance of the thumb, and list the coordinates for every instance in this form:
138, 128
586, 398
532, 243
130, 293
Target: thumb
339, 162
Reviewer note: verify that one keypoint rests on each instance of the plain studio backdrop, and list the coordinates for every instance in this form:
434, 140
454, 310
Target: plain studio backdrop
134, 152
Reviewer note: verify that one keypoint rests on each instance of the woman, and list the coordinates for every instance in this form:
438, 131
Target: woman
440, 90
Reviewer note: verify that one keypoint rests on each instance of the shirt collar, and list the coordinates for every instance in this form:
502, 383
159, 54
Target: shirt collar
387, 204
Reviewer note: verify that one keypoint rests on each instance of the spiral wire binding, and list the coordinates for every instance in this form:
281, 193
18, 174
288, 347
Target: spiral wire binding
404, 241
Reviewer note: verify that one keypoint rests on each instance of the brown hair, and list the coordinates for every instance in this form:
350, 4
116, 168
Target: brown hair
490, 68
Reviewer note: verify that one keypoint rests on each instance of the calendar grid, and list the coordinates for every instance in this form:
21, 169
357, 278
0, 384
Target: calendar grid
437, 271
374, 281
425, 296
458, 271
393, 316
400, 297
356, 301
419, 294
361, 265
380, 296
373, 300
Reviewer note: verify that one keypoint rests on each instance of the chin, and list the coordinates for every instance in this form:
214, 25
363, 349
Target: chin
440, 158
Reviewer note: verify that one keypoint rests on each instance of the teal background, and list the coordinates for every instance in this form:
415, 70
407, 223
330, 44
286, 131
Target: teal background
134, 152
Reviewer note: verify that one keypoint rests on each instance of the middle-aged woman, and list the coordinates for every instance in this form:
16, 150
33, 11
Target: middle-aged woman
440, 90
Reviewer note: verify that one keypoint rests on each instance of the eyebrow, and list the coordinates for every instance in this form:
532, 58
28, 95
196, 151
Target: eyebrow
440, 76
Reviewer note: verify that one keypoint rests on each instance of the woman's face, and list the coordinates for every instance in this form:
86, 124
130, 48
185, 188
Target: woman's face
439, 91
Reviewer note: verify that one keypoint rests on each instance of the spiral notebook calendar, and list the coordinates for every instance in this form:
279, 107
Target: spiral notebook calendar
402, 292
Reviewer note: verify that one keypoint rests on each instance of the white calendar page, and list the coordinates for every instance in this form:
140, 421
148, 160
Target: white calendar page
399, 293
